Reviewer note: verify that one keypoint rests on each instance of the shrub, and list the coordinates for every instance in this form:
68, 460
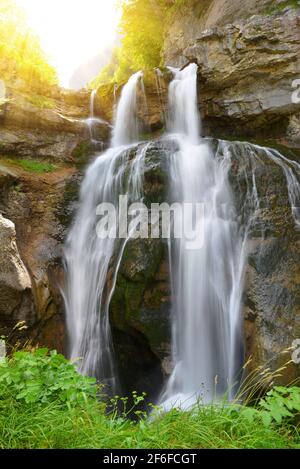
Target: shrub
42, 377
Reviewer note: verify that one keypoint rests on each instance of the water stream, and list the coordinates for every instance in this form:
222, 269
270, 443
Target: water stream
206, 273
90, 258
206, 276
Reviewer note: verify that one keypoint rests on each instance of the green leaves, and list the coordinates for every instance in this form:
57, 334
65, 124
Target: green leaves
280, 405
42, 377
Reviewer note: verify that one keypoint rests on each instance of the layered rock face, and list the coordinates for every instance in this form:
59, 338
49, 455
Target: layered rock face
47, 127
38, 210
152, 101
249, 56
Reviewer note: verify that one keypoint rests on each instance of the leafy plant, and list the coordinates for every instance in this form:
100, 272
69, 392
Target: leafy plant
46, 403
42, 377
281, 404
285, 4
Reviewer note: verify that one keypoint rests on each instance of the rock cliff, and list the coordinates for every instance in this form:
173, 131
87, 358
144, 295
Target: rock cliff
44, 143
249, 57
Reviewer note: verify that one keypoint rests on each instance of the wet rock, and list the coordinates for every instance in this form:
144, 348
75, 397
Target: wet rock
48, 128
272, 293
140, 306
152, 101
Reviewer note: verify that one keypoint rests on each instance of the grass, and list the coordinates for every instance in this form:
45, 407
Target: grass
34, 166
45, 403
53, 426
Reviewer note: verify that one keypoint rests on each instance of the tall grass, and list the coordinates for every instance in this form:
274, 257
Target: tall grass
44, 403
206, 427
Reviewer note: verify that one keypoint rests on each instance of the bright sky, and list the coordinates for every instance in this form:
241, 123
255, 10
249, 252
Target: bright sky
72, 31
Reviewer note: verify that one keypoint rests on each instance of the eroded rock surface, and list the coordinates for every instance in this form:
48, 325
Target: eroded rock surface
249, 56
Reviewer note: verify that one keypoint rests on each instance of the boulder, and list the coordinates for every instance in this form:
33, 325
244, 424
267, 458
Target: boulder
15, 282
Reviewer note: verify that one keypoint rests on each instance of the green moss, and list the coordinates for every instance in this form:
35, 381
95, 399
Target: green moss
33, 166
82, 152
278, 8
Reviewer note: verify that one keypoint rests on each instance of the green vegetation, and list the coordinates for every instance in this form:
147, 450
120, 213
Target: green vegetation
21, 56
142, 30
45, 403
82, 152
33, 166
278, 8
41, 102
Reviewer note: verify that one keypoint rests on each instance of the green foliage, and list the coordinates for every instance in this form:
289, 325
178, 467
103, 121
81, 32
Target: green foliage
45, 403
285, 4
280, 404
21, 56
41, 377
33, 166
142, 30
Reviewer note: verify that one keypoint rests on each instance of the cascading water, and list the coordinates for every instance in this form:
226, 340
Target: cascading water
159, 90
126, 129
206, 280
207, 283
92, 260
92, 121
206, 273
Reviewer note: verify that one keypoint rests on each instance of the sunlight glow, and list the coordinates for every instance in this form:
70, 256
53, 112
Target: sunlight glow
72, 31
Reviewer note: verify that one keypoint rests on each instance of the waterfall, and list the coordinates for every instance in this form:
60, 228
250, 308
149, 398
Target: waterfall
206, 280
206, 271
115, 95
158, 75
92, 121
92, 104
92, 260
126, 127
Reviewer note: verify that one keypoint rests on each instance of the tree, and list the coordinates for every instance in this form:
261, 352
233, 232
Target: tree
21, 55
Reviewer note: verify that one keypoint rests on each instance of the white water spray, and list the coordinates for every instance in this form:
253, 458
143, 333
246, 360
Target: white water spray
92, 262
126, 129
207, 281
159, 90
92, 121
